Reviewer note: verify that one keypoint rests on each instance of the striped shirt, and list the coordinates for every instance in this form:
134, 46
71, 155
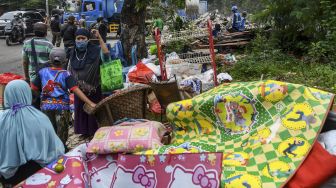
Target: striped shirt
42, 48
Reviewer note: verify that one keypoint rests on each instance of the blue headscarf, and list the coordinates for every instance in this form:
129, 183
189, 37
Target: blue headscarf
26, 134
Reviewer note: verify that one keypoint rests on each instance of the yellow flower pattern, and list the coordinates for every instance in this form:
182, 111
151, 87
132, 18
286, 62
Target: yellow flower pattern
118, 133
141, 132
139, 147
100, 135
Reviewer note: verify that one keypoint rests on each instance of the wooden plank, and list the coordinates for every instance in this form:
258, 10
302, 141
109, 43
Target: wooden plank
227, 44
231, 41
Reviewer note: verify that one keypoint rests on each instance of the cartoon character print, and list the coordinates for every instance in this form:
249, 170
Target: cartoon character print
273, 91
316, 95
38, 179
80, 154
294, 147
50, 87
102, 177
183, 109
202, 126
263, 136
236, 113
242, 180
257, 139
183, 148
236, 159
199, 177
66, 180
299, 116
277, 170
138, 177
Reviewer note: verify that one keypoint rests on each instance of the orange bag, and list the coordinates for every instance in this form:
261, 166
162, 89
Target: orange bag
142, 74
318, 168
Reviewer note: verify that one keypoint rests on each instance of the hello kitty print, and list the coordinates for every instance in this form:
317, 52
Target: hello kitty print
201, 170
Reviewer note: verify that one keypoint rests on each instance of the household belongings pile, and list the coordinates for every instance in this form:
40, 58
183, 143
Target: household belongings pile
254, 134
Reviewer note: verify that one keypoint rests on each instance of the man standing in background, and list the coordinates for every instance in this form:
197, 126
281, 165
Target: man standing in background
102, 28
35, 55
68, 34
55, 27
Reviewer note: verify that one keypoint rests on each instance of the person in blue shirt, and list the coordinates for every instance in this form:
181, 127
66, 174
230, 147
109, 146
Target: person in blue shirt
243, 21
236, 20
55, 84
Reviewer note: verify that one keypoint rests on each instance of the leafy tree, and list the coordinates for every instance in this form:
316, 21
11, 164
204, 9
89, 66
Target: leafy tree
251, 6
133, 28
303, 26
31, 4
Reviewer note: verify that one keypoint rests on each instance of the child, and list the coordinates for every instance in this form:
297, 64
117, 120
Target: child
55, 83
243, 21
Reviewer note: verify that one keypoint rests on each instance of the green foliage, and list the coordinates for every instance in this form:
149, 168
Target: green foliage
177, 46
251, 6
285, 68
178, 24
325, 48
305, 27
141, 4
180, 4
265, 59
33, 4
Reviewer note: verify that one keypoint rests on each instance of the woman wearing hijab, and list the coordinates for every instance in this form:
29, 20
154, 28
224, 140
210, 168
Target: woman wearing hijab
27, 136
85, 61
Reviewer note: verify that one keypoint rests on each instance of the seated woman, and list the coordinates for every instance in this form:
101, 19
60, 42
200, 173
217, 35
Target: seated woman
27, 137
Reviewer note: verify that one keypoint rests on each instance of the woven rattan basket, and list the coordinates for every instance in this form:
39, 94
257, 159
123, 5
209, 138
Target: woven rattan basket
128, 103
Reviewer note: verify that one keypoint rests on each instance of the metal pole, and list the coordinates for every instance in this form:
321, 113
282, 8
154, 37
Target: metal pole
47, 7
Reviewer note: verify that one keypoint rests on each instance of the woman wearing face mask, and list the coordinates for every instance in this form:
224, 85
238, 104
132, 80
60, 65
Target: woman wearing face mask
85, 60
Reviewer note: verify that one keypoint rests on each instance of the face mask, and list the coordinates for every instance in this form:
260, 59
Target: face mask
81, 45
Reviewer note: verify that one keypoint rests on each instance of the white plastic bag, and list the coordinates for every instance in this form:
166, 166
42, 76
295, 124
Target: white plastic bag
154, 68
171, 57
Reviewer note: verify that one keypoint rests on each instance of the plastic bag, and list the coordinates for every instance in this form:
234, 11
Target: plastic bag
155, 107
154, 68
142, 74
111, 76
173, 58
117, 52
224, 77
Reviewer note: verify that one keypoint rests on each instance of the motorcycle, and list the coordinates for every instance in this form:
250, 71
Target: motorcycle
14, 33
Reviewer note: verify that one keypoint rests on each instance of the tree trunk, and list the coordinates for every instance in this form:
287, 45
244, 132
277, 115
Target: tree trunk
133, 30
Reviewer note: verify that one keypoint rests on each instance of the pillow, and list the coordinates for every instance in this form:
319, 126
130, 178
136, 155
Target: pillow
127, 137
315, 170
